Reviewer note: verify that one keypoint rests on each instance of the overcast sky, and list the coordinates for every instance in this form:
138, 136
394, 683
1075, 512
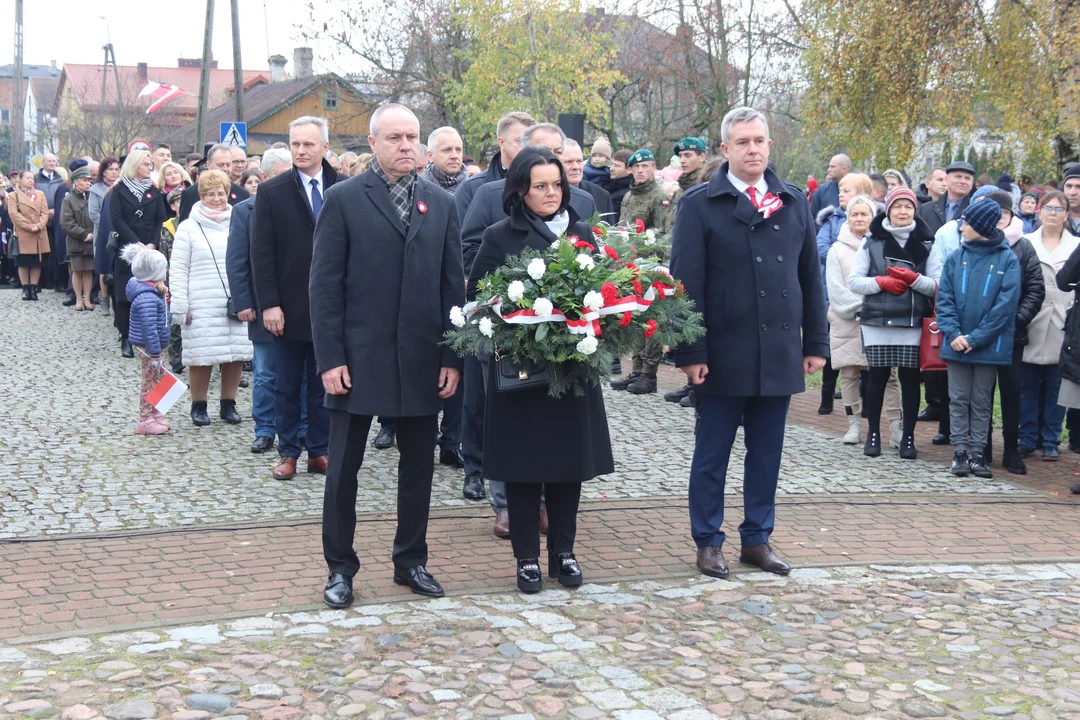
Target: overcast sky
72, 31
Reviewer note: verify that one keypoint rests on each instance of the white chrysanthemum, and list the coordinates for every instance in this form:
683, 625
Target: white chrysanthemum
651, 234
536, 268
457, 317
585, 261
485, 327
542, 306
587, 346
593, 300
515, 291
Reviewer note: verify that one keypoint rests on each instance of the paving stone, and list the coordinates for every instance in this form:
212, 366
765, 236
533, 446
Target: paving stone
131, 710
209, 702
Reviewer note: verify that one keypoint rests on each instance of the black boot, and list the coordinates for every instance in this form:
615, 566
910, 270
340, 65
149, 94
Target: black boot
26, 293
228, 412
872, 448
564, 567
33, 292
529, 578
623, 383
907, 448
126, 349
198, 413
826, 406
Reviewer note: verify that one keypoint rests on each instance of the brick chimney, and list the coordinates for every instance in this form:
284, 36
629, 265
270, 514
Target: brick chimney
277, 68
142, 70
302, 62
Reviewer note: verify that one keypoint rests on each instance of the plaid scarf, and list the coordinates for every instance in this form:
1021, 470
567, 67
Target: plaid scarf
400, 192
449, 183
138, 188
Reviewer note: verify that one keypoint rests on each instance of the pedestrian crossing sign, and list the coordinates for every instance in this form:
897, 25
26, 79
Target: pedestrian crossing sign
234, 134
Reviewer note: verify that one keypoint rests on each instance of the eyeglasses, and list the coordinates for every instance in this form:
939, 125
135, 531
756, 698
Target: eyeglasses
1053, 209
148, 165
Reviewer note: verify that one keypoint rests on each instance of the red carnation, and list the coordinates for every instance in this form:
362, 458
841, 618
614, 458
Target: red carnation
579, 243
610, 251
633, 267
610, 293
625, 320
637, 287
597, 230
650, 328
639, 225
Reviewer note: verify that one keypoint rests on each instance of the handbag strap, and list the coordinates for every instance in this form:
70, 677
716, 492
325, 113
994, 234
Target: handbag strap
221, 279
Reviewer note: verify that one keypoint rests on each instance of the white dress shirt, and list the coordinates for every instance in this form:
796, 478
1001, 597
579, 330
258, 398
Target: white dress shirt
761, 188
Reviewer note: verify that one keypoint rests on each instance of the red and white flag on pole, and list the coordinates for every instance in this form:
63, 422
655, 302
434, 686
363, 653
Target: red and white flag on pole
165, 394
161, 94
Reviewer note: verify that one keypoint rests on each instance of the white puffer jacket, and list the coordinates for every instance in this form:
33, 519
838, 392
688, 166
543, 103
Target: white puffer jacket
200, 286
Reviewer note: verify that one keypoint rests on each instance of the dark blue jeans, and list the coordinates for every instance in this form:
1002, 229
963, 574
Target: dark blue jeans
295, 364
1040, 415
262, 392
764, 421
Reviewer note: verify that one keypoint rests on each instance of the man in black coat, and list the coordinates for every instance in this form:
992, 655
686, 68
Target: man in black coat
744, 246
283, 226
829, 193
219, 157
508, 136
619, 181
573, 160
385, 272
242, 289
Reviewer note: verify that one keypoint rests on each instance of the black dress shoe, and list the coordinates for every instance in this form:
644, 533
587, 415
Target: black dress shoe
385, 439
474, 487
941, 439
125, 348
228, 412
872, 448
452, 456
930, 414
961, 464
564, 566
529, 578
907, 449
262, 443
763, 557
338, 592
68, 302
419, 580
677, 395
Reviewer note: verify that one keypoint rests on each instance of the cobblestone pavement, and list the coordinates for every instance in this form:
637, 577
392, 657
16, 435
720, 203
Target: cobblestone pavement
866, 641
70, 463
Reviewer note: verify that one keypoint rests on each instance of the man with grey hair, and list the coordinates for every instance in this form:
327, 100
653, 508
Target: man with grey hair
283, 225
573, 160
242, 289
218, 157
333, 159
348, 160
48, 181
745, 248
445, 159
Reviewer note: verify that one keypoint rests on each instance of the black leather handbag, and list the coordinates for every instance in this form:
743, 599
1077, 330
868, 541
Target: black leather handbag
510, 377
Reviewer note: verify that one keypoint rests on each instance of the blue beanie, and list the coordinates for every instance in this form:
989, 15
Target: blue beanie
983, 217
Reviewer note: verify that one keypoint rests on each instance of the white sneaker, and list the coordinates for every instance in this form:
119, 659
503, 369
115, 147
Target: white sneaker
897, 431
854, 430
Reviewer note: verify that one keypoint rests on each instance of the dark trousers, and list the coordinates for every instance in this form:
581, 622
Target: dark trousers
473, 397
122, 315
523, 504
295, 361
909, 397
416, 464
1072, 424
718, 419
937, 395
449, 427
1008, 380
829, 376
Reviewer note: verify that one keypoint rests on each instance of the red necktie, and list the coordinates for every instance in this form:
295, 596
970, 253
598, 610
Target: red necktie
753, 196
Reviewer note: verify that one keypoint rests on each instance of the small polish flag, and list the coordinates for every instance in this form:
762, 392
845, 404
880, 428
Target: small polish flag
165, 394
161, 94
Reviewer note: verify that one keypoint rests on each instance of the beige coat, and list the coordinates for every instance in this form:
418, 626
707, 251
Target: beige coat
845, 339
1046, 332
28, 212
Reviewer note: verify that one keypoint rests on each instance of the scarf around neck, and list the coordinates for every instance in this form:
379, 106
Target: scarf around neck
138, 188
558, 223
218, 216
444, 180
901, 234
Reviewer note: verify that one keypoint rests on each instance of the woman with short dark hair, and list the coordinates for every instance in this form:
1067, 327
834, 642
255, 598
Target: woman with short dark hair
577, 447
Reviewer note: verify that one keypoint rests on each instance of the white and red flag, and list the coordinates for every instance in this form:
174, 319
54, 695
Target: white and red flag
161, 94
165, 394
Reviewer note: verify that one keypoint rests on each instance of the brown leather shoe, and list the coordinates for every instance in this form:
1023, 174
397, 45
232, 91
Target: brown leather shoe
317, 465
710, 561
762, 556
502, 524
286, 469
543, 520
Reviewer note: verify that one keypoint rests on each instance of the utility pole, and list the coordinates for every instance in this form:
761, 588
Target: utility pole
204, 77
18, 139
110, 59
238, 67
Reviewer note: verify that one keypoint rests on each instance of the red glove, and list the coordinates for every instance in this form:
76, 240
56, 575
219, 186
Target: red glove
896, 286
908, 276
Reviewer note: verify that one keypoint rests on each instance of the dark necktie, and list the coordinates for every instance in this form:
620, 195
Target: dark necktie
316, 198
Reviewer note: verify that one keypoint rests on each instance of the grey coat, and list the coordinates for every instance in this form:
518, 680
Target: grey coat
380, 300
238, 269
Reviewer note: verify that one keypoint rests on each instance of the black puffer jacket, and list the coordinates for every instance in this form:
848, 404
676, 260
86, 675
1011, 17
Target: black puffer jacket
1068, 278
1032, 289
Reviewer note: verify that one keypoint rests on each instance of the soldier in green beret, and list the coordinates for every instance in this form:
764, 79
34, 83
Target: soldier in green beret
646, 199
691, 152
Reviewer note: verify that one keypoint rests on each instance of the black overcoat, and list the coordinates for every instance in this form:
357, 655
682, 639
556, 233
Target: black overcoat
933, 212
602, 198
758, 282
1068, 278
282, 228
134, 219
380, 300
573, 430
238, 269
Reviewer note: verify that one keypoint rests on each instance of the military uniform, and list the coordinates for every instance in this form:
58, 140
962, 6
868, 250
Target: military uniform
646, 202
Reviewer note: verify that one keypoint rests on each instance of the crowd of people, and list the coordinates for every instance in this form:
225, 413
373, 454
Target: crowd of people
330, 277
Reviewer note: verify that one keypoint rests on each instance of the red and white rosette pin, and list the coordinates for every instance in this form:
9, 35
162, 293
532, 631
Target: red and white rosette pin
422, 207
770, 204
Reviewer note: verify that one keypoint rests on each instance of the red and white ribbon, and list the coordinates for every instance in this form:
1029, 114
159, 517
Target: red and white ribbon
769, 205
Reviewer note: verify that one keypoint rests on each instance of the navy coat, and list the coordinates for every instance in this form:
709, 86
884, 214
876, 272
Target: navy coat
758, 283
826, 195
238, 269
381, 297
464, 195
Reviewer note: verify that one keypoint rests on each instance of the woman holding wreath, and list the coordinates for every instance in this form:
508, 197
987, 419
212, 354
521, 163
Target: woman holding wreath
533, 441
